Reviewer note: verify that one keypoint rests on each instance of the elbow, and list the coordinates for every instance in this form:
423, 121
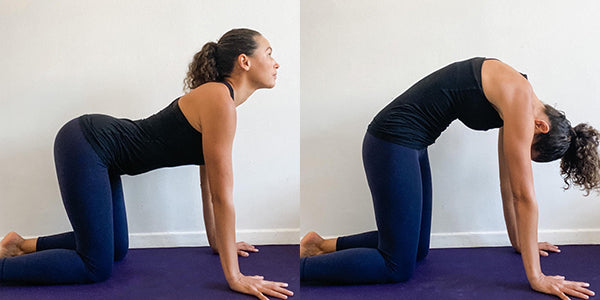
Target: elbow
221, 198
523, 196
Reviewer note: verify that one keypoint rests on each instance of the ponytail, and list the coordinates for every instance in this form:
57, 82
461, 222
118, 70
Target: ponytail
581, 163
203, 68
215, 61
576, 146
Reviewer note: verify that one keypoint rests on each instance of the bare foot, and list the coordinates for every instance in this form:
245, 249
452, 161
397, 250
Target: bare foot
11, 245
310, 245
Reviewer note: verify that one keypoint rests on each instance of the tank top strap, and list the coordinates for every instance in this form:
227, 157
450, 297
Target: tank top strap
229, 87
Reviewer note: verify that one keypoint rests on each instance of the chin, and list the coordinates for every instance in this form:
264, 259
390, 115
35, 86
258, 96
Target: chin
270, 85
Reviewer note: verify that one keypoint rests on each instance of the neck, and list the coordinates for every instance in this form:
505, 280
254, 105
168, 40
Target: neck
539, 109
241, 89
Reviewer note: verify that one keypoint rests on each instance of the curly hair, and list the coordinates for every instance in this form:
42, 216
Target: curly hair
577, 146
215, 61
581, 164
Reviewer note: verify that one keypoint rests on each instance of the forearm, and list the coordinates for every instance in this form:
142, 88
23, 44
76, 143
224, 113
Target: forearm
225, 230
209, 223
207, 210
527, 218
508, 202
510, 218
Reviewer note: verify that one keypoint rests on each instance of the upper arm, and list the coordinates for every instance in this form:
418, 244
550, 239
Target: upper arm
517, 139
513, 96
218, 120
502, 167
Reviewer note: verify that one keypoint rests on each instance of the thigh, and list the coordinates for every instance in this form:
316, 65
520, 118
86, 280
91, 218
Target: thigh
87, 196
425, 234
394, 177
121, 234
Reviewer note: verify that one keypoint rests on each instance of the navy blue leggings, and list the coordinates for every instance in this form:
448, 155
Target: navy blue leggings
400, 183
93, 199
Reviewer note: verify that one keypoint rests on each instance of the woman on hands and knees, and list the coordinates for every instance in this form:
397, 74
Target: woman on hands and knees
93, 151
483, 94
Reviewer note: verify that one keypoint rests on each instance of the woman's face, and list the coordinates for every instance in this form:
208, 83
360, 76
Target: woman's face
263, 67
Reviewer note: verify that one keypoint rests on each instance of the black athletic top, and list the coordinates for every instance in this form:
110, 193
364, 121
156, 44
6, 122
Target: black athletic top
416, 118
165, 139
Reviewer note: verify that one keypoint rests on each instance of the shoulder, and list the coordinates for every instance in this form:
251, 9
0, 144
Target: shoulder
211, 91
206, 104
504, 86
211, 95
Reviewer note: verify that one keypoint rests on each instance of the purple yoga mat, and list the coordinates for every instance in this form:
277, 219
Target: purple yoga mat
195, 273
473, 273
171, 273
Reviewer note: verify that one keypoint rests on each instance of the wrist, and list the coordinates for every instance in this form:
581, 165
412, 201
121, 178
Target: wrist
233, 277
535, 279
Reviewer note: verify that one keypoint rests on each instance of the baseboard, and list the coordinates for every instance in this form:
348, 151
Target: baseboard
199, 239
500, 238
292, 236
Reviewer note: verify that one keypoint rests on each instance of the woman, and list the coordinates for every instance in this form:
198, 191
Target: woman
92, 151
483, 94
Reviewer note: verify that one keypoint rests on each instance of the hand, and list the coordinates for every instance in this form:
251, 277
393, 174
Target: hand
558, 286
257, 286
545, 246
242, 247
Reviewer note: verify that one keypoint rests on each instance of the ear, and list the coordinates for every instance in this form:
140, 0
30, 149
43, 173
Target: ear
244, 62
541, 126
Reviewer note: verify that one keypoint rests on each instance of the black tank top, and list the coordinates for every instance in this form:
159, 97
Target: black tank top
165, 139
416, 118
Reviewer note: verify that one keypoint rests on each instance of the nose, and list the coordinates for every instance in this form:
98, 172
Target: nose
276, 66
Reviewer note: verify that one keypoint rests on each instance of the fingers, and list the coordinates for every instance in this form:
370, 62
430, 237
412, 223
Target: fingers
563, 288
548, 247
245, 246
578, 289
562, 296
260, 288
543, 253
260, 296
276, 289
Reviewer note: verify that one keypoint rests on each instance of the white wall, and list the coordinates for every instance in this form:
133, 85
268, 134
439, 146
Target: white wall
358, 55
60, 59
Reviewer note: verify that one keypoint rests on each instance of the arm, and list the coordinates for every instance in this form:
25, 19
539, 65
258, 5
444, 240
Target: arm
218, 121
508, 205
207, 210
514, 98
516, 144
506, 193
209, 220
